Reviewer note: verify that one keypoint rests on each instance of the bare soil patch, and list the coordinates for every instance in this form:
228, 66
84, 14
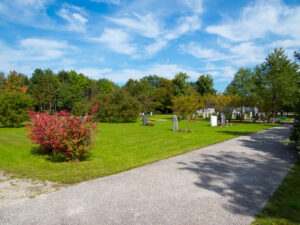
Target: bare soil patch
13, 190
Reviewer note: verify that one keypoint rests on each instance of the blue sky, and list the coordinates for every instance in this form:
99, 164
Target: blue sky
122, 39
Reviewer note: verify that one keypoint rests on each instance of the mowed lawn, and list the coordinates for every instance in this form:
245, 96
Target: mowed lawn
117, 147
284, 206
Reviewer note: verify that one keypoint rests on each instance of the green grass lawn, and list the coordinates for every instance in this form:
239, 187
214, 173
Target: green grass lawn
117, 147
284, 206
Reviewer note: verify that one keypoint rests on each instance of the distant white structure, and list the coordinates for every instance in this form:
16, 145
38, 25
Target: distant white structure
206, 112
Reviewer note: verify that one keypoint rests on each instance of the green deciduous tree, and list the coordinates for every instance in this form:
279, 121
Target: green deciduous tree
295, 135
276, 81
105, 86
180, 85
204, 85
2, 80
184, 106
44, 86
74, 88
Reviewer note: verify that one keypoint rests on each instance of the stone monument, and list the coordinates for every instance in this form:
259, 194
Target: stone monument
144, 120
175, 123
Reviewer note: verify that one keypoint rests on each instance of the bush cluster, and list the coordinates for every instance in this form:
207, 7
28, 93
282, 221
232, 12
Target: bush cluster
13, 106
117, 107
296, 128
62, 133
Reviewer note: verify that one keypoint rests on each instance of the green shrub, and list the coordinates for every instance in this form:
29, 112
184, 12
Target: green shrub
296, 128
13, 106
117, 107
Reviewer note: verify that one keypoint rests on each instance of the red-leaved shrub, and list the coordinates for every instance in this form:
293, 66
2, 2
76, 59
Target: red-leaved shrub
62, 133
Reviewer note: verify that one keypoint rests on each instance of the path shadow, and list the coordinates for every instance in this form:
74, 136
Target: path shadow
245, 178
235, 133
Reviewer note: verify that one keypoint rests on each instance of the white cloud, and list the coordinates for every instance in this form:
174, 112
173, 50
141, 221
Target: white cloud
144, 25
246, 53
42, 49
154, 48
198, 51
195, 5
114, 2
220, 73
29, 12
73, 15
184, 25
165, 70
94, 73
32, 50
223, 73
288, 43
259, 19
152, 26
117, 40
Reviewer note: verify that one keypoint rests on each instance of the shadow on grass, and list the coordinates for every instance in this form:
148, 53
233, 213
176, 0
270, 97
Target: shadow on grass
245, 178
235, 133
20, 126
58, 157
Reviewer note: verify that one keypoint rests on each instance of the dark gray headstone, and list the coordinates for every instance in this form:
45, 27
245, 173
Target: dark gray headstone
144, 120
175, 123
223, 118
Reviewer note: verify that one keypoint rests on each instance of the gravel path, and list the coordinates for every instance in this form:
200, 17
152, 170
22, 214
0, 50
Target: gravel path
226, 183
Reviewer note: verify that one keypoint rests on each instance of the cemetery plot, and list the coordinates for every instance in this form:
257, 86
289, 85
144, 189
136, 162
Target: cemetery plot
117, 147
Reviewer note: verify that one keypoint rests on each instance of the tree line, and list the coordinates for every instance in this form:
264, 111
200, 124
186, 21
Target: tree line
270, 87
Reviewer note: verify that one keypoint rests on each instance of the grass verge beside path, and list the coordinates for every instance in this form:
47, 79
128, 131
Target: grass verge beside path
284, 206
118, 147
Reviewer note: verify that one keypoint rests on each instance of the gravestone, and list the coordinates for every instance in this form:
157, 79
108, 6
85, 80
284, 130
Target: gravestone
175, 123
150, 113
144, 120
204, 114
223, 118
213, 121
250, 114
193, 116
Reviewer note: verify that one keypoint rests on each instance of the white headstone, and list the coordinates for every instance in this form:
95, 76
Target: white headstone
214, 121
